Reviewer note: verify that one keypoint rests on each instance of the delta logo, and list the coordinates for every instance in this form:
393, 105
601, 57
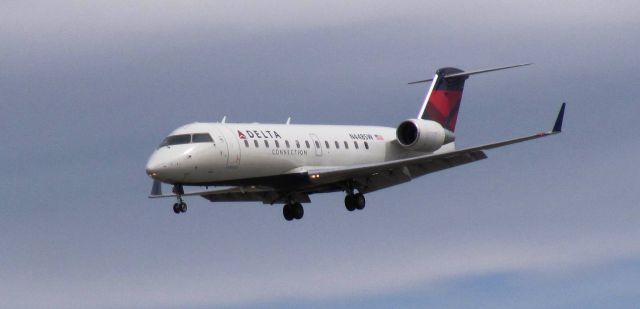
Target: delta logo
258, 134
241, 135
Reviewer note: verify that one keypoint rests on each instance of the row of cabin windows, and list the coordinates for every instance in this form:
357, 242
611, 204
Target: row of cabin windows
317, 143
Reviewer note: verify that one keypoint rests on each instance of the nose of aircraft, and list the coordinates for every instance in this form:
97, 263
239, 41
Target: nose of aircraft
160, 167
168, 165
155, 168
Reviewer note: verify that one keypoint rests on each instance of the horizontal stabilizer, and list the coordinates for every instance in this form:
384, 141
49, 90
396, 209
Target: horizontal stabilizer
468, 73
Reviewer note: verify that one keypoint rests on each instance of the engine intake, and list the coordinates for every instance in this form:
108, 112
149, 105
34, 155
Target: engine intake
423, 135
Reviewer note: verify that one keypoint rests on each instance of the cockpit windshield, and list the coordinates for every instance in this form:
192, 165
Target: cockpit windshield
186, 139
201, 138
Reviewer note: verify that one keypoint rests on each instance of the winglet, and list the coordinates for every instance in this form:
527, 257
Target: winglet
557, 127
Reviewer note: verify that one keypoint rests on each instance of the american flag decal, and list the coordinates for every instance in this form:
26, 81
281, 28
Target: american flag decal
379, 137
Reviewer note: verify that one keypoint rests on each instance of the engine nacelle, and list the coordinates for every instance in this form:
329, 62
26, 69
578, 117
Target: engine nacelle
423, 135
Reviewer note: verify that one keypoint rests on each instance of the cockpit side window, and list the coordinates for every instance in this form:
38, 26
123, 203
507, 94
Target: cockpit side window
176, 140
202, 138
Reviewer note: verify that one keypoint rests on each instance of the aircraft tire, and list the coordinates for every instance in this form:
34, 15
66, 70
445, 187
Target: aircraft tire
183, 207
349, 202
287, 212
176, 208
298, 211
359, 201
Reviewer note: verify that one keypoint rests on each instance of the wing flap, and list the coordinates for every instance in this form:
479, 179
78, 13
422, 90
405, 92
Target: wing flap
266, 195
373, 177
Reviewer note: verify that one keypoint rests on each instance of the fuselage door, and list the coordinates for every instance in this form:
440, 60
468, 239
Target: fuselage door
232, 146
316, 144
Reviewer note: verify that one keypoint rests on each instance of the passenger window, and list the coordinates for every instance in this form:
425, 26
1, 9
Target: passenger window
277, 144
297, 144
246, 143
266, 143
287, 143
201, 138
337, 145
326, 144
307, 143
255, 142
317, 144
366, 145
346, 145
355, 143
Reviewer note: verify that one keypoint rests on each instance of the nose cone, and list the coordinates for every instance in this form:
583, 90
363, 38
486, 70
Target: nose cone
168, 165
154, 167
161, 166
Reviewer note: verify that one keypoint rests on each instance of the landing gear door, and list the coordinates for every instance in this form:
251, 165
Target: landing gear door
316, 144
232, 146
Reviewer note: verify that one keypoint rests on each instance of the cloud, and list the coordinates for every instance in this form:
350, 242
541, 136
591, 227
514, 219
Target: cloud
92, 87
97, 17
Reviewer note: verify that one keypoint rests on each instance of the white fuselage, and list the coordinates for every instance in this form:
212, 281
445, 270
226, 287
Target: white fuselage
246, 151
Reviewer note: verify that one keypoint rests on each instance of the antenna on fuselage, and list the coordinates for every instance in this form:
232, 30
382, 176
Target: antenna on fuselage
288, 120
224, 119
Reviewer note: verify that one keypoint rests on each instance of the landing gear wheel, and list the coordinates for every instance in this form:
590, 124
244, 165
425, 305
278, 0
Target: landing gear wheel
298, 211
359, 201
183, 207
176, 208
349, 202
287, 212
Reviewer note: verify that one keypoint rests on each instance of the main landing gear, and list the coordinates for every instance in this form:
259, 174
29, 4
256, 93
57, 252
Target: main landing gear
292, 211
354, 201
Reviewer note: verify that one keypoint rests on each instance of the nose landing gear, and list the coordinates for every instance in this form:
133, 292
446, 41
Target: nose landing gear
180, 206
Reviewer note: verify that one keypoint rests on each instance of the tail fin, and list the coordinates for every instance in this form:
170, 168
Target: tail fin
445, 94
443, 100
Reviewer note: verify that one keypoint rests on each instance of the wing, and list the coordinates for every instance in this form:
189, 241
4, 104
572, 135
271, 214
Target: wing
266, 195
372, 177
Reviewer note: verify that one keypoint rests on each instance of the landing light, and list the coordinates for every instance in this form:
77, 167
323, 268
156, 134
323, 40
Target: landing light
315, 176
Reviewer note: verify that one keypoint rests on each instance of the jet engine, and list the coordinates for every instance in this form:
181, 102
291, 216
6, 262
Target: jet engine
423, 135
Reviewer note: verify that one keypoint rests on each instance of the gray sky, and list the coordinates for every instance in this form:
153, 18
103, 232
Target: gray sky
87, 91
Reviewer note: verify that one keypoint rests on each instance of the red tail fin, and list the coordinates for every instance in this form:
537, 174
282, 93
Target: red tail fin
443, 100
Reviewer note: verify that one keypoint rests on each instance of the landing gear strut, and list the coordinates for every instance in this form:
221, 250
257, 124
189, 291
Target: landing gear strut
354, 201
179, 206
292, 211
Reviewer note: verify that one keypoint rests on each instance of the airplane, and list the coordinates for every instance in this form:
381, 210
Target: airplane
286, 163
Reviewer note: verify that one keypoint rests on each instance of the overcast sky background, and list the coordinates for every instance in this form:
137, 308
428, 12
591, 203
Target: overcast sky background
88, 89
